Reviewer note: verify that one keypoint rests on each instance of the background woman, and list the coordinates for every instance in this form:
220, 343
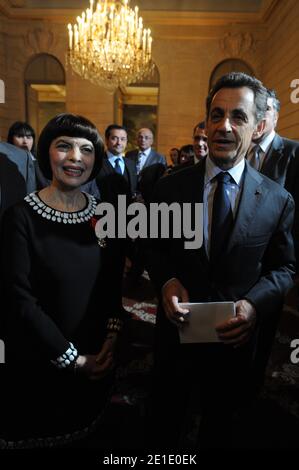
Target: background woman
22, 135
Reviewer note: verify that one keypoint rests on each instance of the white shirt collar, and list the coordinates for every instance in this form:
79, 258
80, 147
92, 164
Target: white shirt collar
145, 152
267, 141
111, 157
212, 170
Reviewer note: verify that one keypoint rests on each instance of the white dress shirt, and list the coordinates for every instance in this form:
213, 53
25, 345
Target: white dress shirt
143, 154
112, 158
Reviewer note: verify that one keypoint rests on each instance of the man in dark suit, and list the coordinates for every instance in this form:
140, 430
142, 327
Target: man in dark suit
118, 174
22, 161
150, 165
247, 257
195, 152
12, 190
278, 158
12, 184
200, 142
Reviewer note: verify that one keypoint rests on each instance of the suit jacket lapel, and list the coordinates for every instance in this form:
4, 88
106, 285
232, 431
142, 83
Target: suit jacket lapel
251, 195
194, 192
274, 166
149, 159
195, 189
107, 167
126, 174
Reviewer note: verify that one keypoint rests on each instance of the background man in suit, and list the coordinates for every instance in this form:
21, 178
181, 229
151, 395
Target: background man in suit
192, 154
247, 257
118, 174
200, 142
278, 158
12, 184
150, 165
23, 163
12, 190
145, 156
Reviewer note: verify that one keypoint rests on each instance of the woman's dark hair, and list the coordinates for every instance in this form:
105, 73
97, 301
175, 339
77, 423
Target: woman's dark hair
189, 150
70, 125
21, 129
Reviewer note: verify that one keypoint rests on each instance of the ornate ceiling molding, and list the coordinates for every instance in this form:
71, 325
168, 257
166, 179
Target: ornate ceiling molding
17, 3
153, 17
40, 40
237, 44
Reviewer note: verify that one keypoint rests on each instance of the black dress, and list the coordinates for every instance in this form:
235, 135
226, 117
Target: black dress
62, 287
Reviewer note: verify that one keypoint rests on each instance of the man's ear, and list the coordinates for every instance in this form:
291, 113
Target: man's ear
259, 129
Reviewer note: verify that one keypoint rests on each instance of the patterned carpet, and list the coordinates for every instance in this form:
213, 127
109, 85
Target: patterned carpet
282, 380
277, 413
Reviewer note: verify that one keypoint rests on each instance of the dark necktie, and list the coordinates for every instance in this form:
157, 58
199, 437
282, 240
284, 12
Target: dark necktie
139, 161
255, 161
117, 166
222, 217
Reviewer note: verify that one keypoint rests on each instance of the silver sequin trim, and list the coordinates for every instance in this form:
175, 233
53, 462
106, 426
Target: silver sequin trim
62, 217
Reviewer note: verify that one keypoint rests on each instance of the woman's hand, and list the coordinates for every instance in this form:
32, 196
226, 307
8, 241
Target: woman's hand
95, 367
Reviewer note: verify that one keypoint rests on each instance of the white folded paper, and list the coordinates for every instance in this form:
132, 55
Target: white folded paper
203, 319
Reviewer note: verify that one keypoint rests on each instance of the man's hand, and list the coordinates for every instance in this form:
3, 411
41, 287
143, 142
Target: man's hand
238, 329
174, 292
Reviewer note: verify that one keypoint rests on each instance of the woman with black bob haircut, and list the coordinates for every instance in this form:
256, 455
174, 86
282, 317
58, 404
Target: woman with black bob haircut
63, 286
73, 126
22, 135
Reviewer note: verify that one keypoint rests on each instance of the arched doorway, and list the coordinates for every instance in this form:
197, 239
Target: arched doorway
229, 65
136, 106
44, 90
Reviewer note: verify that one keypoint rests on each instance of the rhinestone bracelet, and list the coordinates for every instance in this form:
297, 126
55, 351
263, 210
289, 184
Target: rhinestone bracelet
67, 359
114, 324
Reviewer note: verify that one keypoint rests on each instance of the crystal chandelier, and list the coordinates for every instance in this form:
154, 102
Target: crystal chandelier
109, 45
